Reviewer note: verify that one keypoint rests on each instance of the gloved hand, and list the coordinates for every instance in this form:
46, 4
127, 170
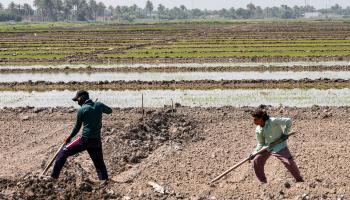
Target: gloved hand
284, 137
67, 140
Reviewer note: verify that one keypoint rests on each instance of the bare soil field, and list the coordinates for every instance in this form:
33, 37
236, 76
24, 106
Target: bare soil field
181, 151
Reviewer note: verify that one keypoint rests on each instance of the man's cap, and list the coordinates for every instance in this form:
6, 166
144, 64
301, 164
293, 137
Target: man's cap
81, 93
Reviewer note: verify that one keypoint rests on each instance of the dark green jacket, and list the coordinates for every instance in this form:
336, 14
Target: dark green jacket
90, 116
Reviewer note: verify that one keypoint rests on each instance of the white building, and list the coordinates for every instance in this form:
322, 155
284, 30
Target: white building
310, 15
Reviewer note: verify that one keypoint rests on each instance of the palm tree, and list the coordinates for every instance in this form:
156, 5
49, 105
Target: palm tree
161, 10
149, 8
252, 10
118, 11
12, 8
183, 7
111, 11
42, 6
67, 9
101, 9
28, 10
93, 9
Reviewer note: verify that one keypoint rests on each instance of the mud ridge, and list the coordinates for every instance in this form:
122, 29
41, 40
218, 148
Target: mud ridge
85, 59
322, 83
90, 69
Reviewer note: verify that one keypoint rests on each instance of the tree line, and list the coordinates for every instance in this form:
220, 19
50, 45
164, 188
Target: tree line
91, 10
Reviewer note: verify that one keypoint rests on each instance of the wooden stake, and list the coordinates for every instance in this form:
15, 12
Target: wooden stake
172, 106
143, 111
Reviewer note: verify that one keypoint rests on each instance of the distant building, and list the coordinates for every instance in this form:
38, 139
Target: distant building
333, 16
310, 15
319, 15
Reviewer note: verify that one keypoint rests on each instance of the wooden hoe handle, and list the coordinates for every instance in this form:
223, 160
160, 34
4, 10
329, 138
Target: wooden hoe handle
51, 161
247, 159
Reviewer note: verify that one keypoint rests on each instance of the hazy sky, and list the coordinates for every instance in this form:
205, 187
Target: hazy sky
212, 4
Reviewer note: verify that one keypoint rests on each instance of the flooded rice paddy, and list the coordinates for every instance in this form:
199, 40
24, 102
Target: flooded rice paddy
168, 76
193, 98
159, 98
185, 65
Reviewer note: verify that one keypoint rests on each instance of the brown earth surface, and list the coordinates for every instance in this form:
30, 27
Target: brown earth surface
180, 151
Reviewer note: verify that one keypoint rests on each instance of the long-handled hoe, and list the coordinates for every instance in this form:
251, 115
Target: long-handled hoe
51, 161
248, 158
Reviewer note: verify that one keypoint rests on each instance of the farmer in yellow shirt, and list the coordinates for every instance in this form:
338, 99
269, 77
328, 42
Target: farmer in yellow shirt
268, 130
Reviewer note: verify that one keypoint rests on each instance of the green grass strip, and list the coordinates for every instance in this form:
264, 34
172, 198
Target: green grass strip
225, 54
242, 49
46, 56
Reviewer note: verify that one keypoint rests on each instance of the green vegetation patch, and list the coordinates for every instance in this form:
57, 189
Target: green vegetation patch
227, 54
40, 56
41, 52
237, 49
28, 26
297, 39
259, 41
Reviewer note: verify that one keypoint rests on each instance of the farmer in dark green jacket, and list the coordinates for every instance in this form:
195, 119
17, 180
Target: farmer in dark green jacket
90, 117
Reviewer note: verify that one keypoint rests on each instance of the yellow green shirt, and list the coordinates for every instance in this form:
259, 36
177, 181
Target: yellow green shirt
273, 129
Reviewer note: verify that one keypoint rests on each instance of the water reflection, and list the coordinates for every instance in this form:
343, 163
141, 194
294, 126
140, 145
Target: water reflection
231, 64
167, 76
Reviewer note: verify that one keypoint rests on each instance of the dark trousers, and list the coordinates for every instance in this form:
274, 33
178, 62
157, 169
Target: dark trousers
284, 156
93, 147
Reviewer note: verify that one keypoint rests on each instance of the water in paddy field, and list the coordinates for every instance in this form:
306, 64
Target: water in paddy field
168, 76
233, 64
193, 98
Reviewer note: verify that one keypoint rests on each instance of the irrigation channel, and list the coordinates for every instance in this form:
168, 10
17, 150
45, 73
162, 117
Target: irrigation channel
167, 76
202, 98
